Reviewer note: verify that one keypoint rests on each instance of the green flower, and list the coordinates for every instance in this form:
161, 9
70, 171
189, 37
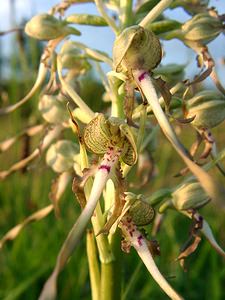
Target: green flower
47, 27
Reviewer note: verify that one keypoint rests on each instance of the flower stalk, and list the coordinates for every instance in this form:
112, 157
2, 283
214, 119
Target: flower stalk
93, 265
126, 12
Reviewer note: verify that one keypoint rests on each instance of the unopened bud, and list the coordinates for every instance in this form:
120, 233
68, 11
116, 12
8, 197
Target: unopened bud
72, 58
52, 110
47, 27
191, 6
141, 212
62, 156
189, 196
136, 48
208, 107
203, 27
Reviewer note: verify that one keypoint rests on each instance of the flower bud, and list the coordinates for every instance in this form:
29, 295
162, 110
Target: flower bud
52, 110
191, 6
189, 196
72, 58
203, 27
47, 27
136, 48
208, 107
62, 156
141, 212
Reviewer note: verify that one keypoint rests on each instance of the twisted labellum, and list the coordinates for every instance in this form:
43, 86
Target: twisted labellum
139, 242
113, 139
208, 107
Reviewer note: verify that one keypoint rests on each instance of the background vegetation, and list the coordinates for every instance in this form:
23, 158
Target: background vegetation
26, 262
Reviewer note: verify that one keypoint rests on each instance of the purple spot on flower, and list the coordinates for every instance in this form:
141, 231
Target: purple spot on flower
105, 167
142, 76
139, 240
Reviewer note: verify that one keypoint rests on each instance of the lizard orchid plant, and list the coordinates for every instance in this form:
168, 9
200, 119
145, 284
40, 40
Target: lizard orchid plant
110, 144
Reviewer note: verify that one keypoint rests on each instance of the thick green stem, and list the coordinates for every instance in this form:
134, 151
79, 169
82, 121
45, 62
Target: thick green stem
105, 253
117, 102
126, 13
93, 265
107, 281
140, 137
111, 273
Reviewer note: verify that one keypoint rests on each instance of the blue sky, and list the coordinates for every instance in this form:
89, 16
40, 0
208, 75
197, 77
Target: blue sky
102, 38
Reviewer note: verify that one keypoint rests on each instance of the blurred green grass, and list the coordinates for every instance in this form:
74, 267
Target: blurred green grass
26, 262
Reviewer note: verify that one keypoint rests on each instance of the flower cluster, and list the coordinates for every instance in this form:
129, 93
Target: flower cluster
109, 145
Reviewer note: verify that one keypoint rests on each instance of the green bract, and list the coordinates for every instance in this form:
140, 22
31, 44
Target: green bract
136, 48
47, 27
189, 196
62, 156
102, 133
208, 107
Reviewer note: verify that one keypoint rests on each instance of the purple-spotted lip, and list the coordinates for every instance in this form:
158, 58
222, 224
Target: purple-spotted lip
142, 76
105, 167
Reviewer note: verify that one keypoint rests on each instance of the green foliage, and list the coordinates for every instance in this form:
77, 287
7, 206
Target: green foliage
39, 207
